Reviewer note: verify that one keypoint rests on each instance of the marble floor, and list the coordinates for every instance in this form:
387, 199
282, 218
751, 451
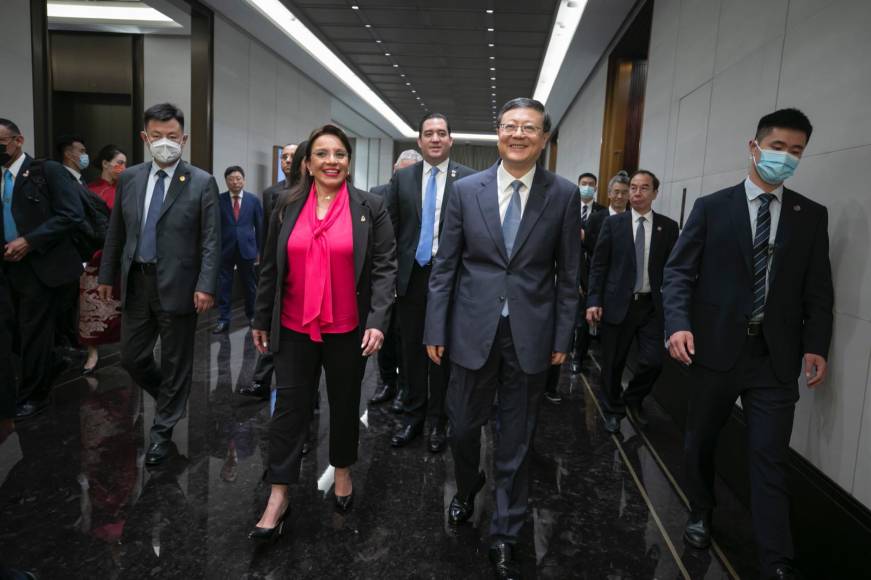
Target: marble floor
76, 500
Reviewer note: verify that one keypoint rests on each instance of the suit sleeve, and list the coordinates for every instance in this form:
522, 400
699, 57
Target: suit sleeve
568, 266
265, 301
258, 226
66, 208
599, 266
115, 237
391, 200
443, 277
210, 237
682, 270
383, 274
818, 295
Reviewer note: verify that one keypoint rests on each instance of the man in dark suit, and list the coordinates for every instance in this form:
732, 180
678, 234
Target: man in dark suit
417, 198
391, 368
241, 240
587, 183
261, 380
164, 242
625, 296
748, 301
502, 300
41, 208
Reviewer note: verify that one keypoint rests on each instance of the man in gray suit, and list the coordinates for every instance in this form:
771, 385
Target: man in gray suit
164, 243
503, 295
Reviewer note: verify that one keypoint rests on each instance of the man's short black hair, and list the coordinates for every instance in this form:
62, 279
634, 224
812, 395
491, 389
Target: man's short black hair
233, 169
429, 116
164, 112
587, 174
649, 173
525, 103
12, 127
64, 142
784, 119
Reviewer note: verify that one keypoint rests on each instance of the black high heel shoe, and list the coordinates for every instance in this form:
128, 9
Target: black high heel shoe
269, 535
344, 503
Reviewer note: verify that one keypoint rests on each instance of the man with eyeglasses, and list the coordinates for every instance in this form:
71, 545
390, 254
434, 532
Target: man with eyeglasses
41, 208
625, 297
416, 199
502, 300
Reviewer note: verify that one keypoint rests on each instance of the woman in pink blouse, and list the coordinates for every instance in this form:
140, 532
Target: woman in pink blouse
326, 287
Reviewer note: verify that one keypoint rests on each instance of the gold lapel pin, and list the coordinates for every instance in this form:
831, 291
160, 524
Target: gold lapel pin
362, 218
453, 172
659, 228
182, 178
796, 208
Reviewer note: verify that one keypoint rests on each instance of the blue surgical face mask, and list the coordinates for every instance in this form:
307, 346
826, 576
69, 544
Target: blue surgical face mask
587, 192
84, 161
775, 167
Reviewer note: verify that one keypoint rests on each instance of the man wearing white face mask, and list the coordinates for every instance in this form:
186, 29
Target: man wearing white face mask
748, 298
164, 240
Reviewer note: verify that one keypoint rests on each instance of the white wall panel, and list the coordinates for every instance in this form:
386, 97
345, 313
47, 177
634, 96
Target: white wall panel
580, 133
696, 44
16, 64
167, 76
692, 132
745, 26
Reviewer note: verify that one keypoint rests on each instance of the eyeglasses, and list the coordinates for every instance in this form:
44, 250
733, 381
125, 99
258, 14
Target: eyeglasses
511, 128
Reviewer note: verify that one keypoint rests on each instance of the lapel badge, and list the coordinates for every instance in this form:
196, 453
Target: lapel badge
26, 173
453, 173
182, 178
362, 218
659, 228
796, 208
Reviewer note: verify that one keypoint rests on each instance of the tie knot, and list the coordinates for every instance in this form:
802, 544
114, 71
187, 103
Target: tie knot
160, 173
516, 185
766, 198
434, 171
641, 219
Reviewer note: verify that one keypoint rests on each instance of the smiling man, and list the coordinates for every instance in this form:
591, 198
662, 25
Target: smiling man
748, 303
502, 299
416, 198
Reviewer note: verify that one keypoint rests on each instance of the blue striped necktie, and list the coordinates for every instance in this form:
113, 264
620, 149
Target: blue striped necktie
510, 225
760, 253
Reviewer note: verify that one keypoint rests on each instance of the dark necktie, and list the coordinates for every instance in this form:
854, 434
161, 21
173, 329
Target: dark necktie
585, 211
639, 255
760, 253
148, 239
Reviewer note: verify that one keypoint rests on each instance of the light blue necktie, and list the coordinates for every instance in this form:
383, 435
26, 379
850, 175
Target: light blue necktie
10, 230
148, 239
423, 255
510, 225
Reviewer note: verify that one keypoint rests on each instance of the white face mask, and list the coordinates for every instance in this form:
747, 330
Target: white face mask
165, 151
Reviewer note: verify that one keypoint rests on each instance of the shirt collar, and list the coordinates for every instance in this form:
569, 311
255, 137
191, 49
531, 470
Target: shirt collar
588, 204
170, 171
443, 167
74, 173
241, 193
612, 211
754, 191
647, 216
507, 179
16, 167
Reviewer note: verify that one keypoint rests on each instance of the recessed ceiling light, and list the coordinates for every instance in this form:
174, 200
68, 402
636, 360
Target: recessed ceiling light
492, 94
368, 26
402, 75
418, 98
492, 86
395, 65
378, 41
388, 54
491, 45
492, 68
492, 58
355, 7
408, 84
489, 30
413, 91
492, 78
489, 11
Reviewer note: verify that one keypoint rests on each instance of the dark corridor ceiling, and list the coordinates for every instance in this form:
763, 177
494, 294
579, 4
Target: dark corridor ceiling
442, 47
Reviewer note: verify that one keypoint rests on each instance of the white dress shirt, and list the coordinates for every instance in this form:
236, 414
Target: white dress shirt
612, 211
149, 189
648, 235
589, 207
13, 169
505, 191
441, 180
74, 173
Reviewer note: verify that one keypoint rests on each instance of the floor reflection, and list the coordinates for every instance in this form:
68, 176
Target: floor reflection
76, 501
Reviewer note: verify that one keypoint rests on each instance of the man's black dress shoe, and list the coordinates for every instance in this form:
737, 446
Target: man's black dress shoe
698, 530
785, 573
269, 535
461, 509
437, 439
158, 453
221, 327
383, 394
29, 409
405, 435
398, 404
553, 397
638, 414
504, 565
255, 389
612, 423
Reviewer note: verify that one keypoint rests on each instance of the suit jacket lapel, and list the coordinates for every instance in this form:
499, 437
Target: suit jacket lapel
785, 227
139, 183
418, 187
741, 225
449, 180
628, 226
488, 202
23, 173
359, 211
180, 180
538, 200
653, 255
291, 214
